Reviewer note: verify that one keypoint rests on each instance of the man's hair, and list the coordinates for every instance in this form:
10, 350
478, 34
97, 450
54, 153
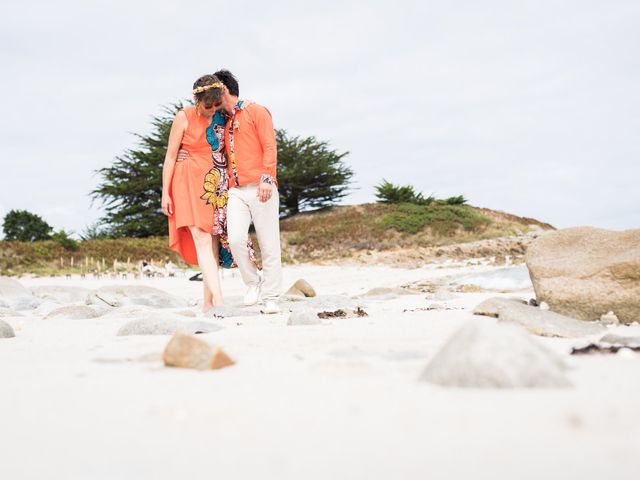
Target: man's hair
231, 82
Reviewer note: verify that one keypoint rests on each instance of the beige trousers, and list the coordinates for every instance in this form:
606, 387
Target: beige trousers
244, 207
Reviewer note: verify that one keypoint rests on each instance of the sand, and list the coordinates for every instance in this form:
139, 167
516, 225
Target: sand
341, 400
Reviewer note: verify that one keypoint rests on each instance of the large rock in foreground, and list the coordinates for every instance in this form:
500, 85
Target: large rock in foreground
586, 272
495, 356
187, 351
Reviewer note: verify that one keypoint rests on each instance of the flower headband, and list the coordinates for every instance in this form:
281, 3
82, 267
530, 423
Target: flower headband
204, 88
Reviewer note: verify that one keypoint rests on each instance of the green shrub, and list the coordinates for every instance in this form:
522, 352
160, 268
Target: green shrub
442, 219
387, 192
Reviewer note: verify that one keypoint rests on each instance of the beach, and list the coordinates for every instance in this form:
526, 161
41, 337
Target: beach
340, 399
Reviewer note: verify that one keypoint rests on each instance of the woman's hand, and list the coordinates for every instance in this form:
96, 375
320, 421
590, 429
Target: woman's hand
167, 205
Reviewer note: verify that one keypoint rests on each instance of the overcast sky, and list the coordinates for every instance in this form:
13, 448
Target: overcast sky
531, 107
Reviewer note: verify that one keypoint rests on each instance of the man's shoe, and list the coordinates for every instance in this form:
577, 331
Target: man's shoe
252, 296
270, 307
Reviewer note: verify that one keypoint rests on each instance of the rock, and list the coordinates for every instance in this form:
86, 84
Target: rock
187, 351
304, 317
74, 312
491, 306
6, 330
469, 288
609, 318
7, 312
166, 326
621, 340
494, 356
385, 292
585, 272
61, 293
302, 287
9, 287
122, 295
15, 296
546, 323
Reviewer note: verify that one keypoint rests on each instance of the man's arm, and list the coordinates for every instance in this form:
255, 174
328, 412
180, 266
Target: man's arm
264, 127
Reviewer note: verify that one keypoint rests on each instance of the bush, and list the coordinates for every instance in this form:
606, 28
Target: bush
459, 200
387, 192
62, 238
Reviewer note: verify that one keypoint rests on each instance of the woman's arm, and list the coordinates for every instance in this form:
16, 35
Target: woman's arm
175, 139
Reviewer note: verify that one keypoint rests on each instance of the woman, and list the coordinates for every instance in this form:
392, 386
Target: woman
194, 190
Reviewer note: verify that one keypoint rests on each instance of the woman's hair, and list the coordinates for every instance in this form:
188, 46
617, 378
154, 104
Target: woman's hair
208, 90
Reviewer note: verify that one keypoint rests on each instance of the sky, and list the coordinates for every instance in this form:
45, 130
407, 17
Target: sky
529, 107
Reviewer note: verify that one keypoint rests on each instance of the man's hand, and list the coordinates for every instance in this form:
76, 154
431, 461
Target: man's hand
167, 205
264, 192
182, 155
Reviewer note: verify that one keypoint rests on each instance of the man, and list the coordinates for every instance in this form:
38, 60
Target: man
250, 145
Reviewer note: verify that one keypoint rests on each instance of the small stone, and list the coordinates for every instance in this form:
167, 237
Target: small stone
187, 351
491, 306
384, 292
469, 288
304, 317
302, 287
6, 330
621, 340
609, 318
546, 323
543, 306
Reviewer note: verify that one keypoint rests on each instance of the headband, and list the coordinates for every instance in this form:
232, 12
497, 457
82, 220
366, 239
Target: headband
204, 88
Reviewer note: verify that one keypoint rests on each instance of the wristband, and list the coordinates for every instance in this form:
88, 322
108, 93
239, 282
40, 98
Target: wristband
267, 179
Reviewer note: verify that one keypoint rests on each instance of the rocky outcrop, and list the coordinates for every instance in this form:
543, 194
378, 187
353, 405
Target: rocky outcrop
586, 272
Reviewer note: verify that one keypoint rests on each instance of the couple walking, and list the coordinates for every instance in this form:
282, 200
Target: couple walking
219, 175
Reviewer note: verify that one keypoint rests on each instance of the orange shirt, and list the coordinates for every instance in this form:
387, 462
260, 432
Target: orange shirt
254, 150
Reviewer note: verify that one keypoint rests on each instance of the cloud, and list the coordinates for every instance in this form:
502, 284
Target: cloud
528, 107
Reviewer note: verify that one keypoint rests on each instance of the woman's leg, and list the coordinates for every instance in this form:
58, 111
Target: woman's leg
208, 297
207, 262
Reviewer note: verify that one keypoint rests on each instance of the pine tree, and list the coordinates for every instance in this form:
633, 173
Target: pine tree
131, 188
310, 174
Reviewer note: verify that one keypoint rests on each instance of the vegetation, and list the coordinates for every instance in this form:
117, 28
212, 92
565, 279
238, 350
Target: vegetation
310, 174
25, 226
387, 192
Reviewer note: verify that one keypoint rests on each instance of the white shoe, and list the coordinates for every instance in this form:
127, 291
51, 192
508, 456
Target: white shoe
252, 296
270, 307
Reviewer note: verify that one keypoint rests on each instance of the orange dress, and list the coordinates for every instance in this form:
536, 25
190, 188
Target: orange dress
187, 188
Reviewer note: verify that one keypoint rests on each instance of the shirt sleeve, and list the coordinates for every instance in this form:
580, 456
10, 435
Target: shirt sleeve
267, 137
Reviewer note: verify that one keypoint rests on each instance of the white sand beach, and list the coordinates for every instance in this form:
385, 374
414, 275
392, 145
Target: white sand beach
338, 400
